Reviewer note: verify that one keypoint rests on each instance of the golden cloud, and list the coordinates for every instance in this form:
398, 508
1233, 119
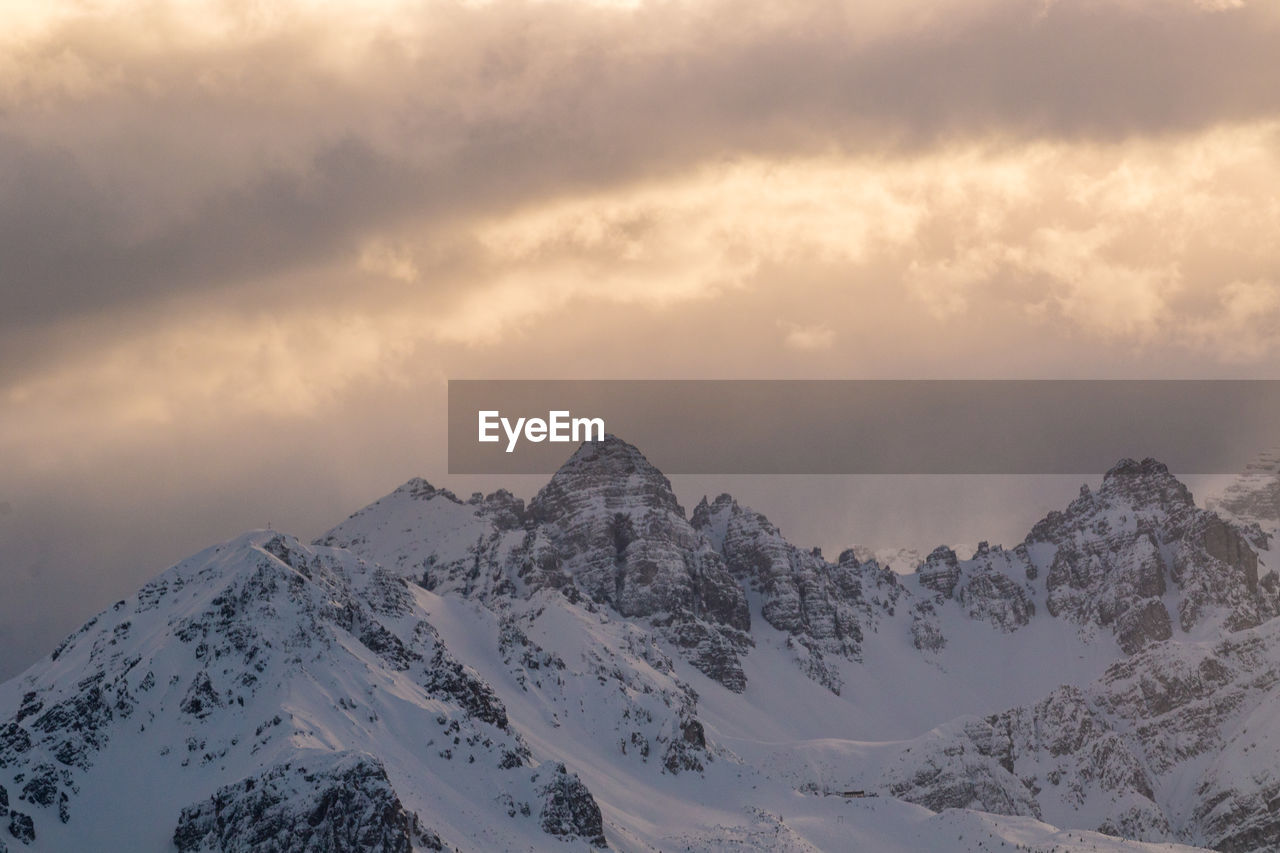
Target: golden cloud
1157, 243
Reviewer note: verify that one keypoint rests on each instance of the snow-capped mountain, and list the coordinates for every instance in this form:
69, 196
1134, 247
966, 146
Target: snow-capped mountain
607, 527
600, 668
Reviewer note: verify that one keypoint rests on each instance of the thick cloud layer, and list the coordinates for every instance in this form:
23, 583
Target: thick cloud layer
242, 245
275, 146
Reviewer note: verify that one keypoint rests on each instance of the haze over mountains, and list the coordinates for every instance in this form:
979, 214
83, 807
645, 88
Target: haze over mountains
600, 667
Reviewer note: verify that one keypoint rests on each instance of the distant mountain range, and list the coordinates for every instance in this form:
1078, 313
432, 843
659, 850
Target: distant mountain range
601, 668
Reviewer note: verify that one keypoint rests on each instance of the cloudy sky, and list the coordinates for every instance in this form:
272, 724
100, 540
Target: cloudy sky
243, 244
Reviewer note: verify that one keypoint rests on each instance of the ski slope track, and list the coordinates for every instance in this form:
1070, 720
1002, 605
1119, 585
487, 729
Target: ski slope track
601, 669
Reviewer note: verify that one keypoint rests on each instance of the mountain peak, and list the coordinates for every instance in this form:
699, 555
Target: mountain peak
610, 451
1145, 484
1128, 467
711, 516
269, 692
610, 471
419, 489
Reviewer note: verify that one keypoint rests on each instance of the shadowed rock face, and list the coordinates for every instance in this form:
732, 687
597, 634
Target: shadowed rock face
568, 809
622, 537
1123, 741
799, 588
991, 587
1143, 624
607, 526
1225, 544
823, 607
1135, 557
1117, 551
342, 802
940, 571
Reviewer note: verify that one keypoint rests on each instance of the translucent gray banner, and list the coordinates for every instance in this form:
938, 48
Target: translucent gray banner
866, 426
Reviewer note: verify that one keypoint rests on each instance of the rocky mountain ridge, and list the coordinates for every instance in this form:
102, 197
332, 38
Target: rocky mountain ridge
437, 673
608, 525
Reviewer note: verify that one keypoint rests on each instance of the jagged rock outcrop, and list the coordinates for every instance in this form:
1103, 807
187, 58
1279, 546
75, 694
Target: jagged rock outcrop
1215, 568
22, 827
568, 809
926, 634
1117, 550
623, 538
820, 605
1136, 557
1139, 558
995, 587
992, 586
314, 804
1114, 750
607, 526
940, 572
959, 776
1058, 756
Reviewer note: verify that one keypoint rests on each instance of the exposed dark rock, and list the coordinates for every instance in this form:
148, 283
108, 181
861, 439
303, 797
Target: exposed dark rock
925, 633
338, 802
1241, 822
1118, 549
41, 788
989, 592
1215, 567
568, 809
960, 777
940, 571
505, 509
620, 534
715, 652
607, 526
991, 764
22, 827
1142, 624
201, 699
826, 609
76, 727
448, 677
14, 741
686, 747
986, 586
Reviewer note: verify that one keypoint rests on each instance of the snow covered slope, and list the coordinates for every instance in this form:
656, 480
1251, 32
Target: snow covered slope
601, 668
260, 674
